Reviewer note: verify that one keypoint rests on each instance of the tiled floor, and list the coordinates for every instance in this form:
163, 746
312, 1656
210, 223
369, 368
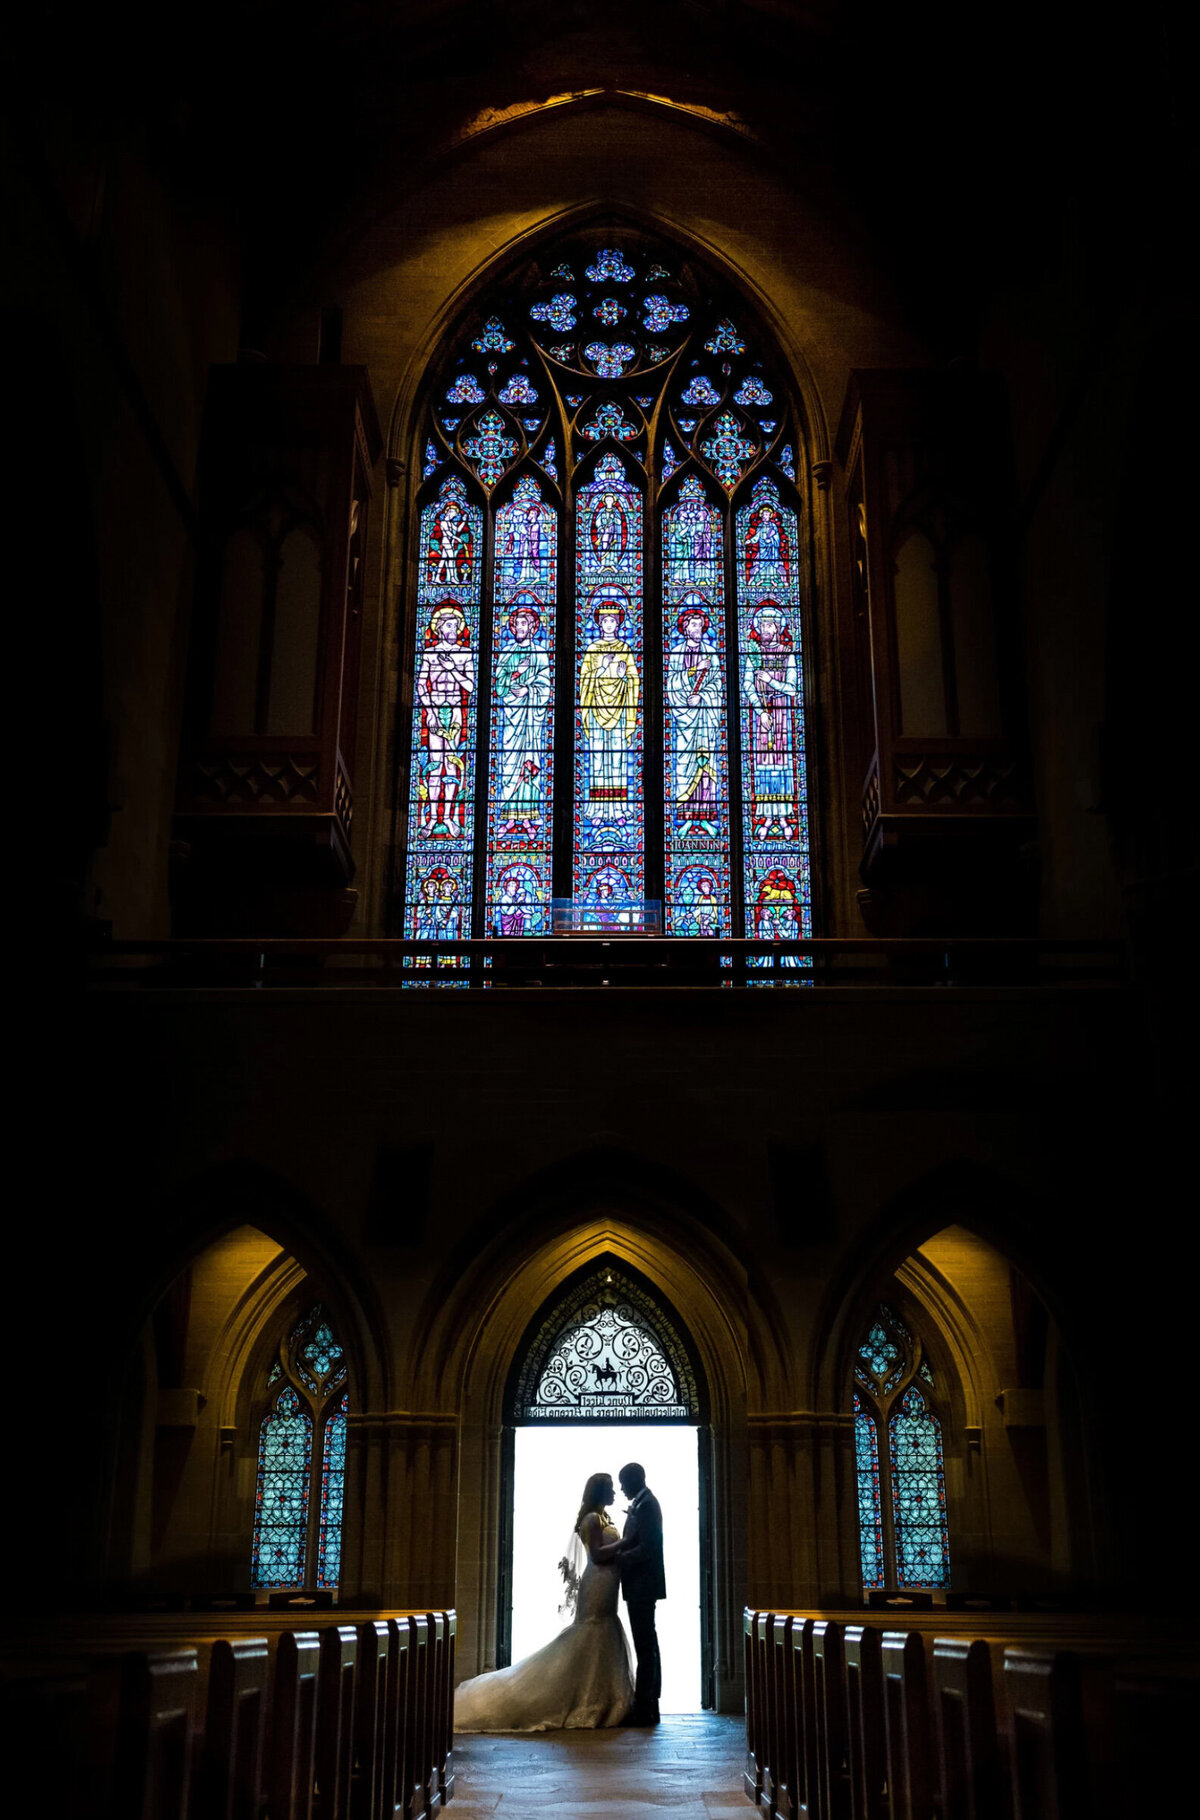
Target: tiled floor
689, 1768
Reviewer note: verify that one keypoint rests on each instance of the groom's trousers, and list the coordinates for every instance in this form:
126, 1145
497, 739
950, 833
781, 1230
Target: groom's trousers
648, 1682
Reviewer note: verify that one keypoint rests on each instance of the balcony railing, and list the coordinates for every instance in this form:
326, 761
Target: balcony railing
584, 961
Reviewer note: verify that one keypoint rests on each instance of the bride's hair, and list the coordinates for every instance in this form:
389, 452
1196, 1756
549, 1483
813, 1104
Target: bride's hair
591, 1498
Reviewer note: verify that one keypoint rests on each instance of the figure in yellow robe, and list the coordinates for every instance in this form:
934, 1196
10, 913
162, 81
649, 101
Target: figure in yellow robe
608, 698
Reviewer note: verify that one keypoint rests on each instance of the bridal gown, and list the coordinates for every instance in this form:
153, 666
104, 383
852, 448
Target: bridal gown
580, 1679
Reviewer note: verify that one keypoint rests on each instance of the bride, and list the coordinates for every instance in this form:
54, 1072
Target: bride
582, 1677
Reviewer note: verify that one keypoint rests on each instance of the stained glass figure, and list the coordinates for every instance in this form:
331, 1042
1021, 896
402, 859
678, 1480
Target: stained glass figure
609, 793
518, 391
493, 338
559, 312
660, 313
610, 263
725, 339
701, 391
277, 1556
442, 773
609, 312
609, 420
520, 801
728, 450
333, 1481
870, 1512
609, 362
491, 450
776, 878
696, 899
918, 1494
752, 391
432, 459
466, 390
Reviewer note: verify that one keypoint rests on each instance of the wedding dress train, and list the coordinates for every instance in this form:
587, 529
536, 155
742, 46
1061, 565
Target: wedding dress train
579, 1680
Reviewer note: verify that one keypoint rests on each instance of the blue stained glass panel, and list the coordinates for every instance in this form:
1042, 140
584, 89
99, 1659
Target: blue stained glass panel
547, 459
609, 362
519, 391
281, 1494
752, 391
728, 450
608, 872
563, 353
918, 1494
490, 449
610, 263
879, 1352
870, 1515
466, 390
787, 461
609, 312
493, 338
670, 461
776, 878
559, 312
441, 799
520, 794
695, 748
333, 1484
725, 339
701, 391
661, 313
609, 420
432, 459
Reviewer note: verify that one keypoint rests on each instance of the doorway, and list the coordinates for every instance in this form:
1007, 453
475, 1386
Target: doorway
550, 1465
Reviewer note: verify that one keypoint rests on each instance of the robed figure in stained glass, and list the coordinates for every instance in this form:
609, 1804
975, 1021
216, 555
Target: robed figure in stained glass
610, 531
451, 545
766, 553
608, 696
444, 686
695, 691
523, 685
439, 914
770, 683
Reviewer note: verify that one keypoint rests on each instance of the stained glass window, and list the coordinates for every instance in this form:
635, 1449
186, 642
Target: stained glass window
606, 1352
918, 1494
870, 1514
612, 399
903, 1530
299, 1488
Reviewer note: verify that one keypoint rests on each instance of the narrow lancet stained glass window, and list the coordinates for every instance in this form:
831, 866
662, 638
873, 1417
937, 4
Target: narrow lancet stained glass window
280, 1544
299, 1491
609, 857
918, 1494
441, 802
333, 1481
870, 1512
776, 882
520, 790
695, 747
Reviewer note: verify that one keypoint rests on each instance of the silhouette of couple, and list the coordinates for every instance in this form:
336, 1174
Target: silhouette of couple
582, 1678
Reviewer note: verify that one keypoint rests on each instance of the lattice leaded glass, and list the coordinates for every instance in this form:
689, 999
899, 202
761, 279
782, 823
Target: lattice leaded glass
333, 1481
281, 1496
612, 1366
870, 1510
628, 352
918, 1494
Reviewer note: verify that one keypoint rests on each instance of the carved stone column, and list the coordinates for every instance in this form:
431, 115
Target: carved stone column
803, 1518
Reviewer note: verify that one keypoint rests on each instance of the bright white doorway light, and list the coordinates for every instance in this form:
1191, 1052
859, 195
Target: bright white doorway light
552, 1462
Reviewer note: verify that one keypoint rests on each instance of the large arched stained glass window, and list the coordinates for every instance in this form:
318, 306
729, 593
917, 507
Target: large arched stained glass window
297, 1537
606, 636
904, 1536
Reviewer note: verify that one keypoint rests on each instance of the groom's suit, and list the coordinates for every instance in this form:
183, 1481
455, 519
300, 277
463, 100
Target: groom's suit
642, 1582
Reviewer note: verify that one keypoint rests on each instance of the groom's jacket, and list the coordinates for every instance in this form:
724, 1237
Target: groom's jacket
641, 1560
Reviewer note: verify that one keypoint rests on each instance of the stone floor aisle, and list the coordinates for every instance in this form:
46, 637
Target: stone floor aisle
689, 1768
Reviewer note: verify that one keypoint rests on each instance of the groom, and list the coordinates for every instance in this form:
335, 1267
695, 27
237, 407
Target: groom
641, 1562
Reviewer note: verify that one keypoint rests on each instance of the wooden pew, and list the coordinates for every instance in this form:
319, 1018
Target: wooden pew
419, 1752
370, 1721
804, 1771
864, 1721
906, 1726
1048, 1760
230, 1785
155, 1735
46, 1719
832, 1795
292, 1758
335, 1722
447, 1780
970, 1779
756, 1629
779, 1729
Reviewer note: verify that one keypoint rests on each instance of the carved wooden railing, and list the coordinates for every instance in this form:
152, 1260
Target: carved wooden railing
585, 960
261, 1713
965, 1715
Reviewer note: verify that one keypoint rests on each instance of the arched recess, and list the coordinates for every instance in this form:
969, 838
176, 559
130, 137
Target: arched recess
703, 1302
411, 454
1020, 1478
185, 1441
